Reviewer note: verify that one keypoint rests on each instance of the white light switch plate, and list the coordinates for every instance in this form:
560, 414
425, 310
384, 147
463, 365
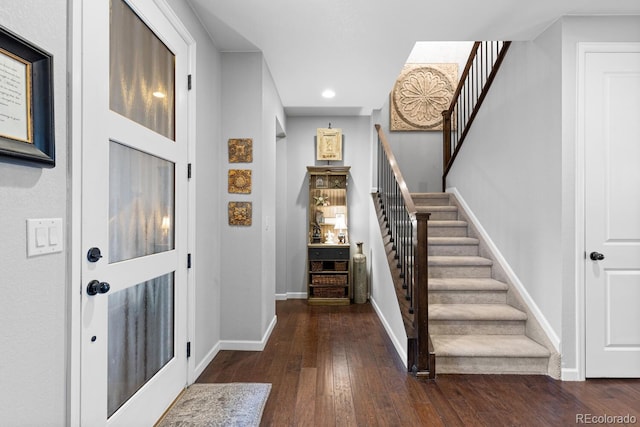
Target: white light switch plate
44, 236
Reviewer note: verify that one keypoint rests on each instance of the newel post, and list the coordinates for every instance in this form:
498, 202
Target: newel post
421, 295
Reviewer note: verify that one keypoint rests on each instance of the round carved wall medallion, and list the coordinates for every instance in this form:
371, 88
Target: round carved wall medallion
420, 94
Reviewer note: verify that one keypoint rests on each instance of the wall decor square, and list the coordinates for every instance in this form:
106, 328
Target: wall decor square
240, 150
420, 94
240, 213
240, 181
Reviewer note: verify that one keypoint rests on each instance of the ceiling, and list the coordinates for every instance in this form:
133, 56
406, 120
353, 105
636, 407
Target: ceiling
358, 47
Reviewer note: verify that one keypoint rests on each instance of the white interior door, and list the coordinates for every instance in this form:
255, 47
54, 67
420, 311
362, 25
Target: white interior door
612, 212
134, 213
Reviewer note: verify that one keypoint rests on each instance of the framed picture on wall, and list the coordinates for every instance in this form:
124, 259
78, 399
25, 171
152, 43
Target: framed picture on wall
26, 101
329, 144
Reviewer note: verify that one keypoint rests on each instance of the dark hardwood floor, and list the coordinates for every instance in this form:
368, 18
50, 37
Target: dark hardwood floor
335, 366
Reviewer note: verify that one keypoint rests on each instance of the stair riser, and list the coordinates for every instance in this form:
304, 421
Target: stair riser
447, 250
467, 297
492, 365
444, 216
481, 327
447, 231
431, 201
460, 271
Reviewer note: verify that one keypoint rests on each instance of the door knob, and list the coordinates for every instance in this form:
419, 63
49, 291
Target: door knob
596, 256
96, 287
94, 255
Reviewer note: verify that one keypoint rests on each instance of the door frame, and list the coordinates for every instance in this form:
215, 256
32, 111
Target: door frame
580, 193
75, 256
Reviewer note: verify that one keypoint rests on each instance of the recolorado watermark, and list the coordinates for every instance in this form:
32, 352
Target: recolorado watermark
605, 419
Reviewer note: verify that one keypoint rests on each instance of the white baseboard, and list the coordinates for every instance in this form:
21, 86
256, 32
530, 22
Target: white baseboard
291, 295
242, 345
396, 343
542, 320
571, 375
199, 369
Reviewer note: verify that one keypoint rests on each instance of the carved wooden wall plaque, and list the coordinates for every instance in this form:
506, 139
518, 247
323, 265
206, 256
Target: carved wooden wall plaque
420, 94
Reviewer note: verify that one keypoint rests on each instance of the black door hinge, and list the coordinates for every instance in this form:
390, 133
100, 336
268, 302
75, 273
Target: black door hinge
189, 82
188, 170
188, 349
188, 260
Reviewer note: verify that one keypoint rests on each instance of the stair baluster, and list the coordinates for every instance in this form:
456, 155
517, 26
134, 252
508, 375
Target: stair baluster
482, 66
407, 230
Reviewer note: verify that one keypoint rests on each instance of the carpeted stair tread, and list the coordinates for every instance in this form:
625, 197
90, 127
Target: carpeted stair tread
487, 346
455, 260
475, 312
466, 284
452, 241
429, 195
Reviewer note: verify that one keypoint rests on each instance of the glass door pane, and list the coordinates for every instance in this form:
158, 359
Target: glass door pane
141, 203
141, 336
142, 72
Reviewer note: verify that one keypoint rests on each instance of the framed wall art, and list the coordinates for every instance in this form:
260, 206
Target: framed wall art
329, 144
26, 101
240, 150
240, 181
240, 213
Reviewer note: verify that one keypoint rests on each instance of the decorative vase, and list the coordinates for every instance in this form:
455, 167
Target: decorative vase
359, 276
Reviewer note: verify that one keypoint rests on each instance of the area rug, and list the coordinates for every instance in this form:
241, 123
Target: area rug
209, 405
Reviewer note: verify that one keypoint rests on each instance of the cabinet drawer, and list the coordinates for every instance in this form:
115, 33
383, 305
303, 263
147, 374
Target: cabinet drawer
329, 253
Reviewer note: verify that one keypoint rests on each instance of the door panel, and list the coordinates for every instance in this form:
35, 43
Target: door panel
612, 213
622, 317
134, 208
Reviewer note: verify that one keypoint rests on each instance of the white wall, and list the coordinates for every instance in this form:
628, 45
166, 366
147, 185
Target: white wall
382, 289
241, 245
281, 222
272, 112
419, 153
357, 146
33, 305
206, 84
250, 106
509, 169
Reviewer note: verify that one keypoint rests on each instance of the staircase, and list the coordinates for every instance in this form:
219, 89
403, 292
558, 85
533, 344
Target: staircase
473, 328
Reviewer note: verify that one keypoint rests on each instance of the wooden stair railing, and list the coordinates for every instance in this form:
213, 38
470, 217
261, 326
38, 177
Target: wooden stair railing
482, 66
407, 231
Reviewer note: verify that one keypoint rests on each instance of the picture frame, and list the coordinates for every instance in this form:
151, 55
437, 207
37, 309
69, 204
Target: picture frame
329, 144
26, 101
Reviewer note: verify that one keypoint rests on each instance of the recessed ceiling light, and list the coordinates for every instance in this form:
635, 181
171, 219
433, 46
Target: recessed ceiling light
328, 93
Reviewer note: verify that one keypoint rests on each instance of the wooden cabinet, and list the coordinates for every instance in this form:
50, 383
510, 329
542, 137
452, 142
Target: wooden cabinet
328, 252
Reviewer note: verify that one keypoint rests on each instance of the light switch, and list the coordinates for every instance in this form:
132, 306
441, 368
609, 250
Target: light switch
41, 236
53, 236
44, 236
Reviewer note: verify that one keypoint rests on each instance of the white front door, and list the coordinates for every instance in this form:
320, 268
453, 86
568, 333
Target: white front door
612, 211
134, 213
